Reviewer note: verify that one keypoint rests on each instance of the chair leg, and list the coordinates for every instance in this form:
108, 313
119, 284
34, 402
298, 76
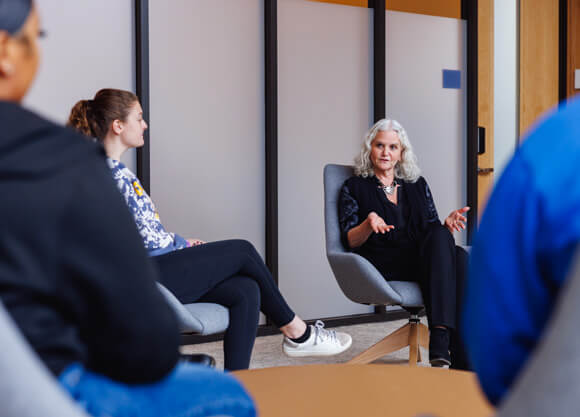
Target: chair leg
423, 335
413, 344
422, 339
391, 343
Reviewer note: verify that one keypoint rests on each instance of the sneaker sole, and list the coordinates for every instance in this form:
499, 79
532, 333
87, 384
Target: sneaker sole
439, 362
304, 353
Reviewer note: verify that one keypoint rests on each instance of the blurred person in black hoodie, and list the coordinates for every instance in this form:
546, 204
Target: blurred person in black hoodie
73, 273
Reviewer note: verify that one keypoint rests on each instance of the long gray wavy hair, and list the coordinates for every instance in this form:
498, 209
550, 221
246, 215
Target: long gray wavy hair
407, 169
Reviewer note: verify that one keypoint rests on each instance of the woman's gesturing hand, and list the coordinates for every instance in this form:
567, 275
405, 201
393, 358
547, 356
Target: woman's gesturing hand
378, 224
456, 220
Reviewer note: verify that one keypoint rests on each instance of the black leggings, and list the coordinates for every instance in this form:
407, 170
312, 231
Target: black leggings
230, 273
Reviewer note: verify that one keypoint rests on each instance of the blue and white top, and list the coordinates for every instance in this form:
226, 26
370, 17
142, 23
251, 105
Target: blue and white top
156, 239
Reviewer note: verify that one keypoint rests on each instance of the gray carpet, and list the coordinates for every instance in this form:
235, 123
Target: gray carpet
268, 349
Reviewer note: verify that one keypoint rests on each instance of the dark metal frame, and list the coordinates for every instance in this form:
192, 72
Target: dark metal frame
271, 132
563, 52
142, 87
472, 115
379, 75
469, 12
379, 57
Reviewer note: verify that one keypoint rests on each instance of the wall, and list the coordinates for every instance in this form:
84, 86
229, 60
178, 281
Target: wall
89, 45
419, 47
506, 82
207, 139
324, 108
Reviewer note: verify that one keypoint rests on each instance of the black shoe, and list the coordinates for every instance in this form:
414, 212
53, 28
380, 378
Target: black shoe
459, 359
439, 347
199, 358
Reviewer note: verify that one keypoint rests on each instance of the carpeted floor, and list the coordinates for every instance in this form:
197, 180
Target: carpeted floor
268, 349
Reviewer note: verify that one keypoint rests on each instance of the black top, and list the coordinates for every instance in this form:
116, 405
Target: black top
393, 253
73, 271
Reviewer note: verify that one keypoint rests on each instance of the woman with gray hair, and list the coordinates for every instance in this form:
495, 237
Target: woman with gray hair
387, 215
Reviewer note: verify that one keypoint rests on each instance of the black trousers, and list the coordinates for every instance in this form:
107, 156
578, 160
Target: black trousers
230, 273
440, 268
442, 280
443, 268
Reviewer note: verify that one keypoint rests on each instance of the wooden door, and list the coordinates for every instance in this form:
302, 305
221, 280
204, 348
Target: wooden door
485, 101
573, 53
539, 65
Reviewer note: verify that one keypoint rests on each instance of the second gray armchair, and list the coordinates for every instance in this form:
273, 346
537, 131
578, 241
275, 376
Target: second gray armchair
360, 281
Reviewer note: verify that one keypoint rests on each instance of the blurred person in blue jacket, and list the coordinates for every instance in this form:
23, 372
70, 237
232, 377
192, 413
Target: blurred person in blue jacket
523, 250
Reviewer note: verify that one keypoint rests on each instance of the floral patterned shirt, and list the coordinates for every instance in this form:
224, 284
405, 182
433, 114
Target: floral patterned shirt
156, 239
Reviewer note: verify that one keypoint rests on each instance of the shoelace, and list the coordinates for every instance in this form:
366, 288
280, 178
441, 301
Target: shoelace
320, 333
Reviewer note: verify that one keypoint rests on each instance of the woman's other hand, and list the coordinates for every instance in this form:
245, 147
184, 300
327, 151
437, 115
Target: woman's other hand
456, 220
194, 242
377, 224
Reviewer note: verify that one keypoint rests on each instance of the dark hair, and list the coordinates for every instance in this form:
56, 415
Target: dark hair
94, 117
13, 15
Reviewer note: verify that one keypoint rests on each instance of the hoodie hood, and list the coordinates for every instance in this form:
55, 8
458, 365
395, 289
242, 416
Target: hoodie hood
31, 146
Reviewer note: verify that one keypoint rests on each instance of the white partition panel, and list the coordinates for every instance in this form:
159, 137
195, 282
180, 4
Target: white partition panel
207, 117
89, 46
419, 48
324, 109
505, 89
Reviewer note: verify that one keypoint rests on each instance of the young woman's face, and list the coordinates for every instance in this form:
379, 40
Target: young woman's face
385, 151
134, 127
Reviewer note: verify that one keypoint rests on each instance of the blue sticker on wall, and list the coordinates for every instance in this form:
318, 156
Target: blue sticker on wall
451, 78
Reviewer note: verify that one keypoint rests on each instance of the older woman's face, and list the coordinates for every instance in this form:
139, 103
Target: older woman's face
385, 151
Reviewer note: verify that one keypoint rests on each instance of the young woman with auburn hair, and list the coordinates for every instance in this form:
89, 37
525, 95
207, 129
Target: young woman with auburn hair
230, 272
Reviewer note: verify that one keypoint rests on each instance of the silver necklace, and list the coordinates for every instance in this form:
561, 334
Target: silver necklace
390, 189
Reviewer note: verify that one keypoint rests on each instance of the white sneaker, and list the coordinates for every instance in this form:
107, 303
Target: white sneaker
321, 342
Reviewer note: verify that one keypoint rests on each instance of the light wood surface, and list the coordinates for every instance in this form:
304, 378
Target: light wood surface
573, 45
539, 44
443, 8
365, 391
485, 97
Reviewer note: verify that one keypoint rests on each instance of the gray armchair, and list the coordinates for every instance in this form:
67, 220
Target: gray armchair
362, 283
199, 318
23, 377
26, 387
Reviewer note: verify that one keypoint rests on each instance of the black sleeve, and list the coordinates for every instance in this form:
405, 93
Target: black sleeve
432, 215
130, 332
348, 213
